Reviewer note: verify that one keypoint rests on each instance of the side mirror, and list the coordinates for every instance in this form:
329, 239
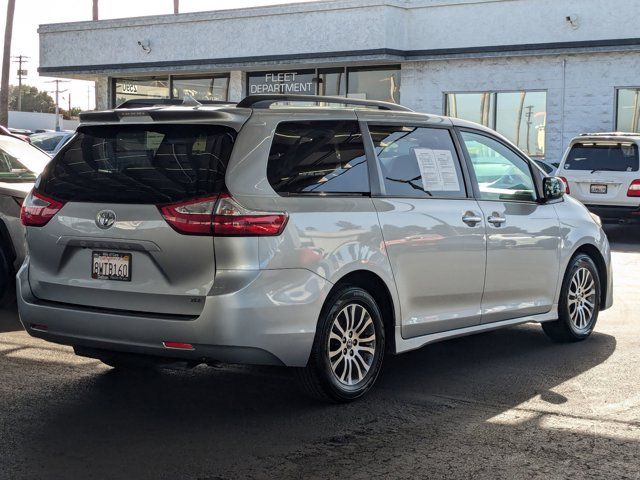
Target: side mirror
553, 188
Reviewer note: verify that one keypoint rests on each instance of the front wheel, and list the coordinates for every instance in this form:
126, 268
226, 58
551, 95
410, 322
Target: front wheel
579, 303
348, 348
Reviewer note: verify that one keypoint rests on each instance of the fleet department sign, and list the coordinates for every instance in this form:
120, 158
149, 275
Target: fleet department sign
301, 83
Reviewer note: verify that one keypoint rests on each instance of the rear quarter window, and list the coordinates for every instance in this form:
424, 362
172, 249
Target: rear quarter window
318, 157
617, 157
140, 164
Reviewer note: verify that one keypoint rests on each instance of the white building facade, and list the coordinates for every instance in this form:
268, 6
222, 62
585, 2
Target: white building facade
538, 71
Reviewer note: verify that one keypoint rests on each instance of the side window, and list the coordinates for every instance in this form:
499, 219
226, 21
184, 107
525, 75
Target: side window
318, 157
418, 162
500, 172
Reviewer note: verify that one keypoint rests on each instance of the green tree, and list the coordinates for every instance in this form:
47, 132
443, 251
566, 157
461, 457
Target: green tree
33, 100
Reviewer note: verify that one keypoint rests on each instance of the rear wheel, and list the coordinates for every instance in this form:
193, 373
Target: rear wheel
348, 349
7, 281
579, 303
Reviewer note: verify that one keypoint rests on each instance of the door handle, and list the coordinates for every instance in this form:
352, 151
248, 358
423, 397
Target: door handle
471, 218
496, 219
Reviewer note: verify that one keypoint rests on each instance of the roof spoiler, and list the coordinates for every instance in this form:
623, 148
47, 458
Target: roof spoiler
167, 102
265, 101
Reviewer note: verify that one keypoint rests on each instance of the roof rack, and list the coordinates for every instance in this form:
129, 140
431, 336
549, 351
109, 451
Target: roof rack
157, 102
265, 101
610, 134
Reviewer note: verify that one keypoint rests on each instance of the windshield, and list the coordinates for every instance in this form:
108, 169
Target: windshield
140, 164
616, 157
19, 161
47, 141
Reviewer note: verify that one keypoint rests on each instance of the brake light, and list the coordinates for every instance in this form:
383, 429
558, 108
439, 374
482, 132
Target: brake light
232, 220
221, 216
634, 189
192, 217
37, 209
567, 190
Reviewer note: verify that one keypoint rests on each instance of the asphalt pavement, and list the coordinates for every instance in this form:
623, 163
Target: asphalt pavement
505, 404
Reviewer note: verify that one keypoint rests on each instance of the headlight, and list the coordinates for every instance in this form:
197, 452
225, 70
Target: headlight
596, 219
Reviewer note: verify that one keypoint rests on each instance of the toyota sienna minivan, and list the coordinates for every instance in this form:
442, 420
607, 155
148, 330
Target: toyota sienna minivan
320, 234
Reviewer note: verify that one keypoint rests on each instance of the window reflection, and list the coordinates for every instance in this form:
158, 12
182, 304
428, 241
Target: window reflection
134, 88
374, 84
475, 107
209, 88
520, 116
628, 110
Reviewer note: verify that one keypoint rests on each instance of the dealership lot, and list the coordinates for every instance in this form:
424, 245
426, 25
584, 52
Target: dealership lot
506, 404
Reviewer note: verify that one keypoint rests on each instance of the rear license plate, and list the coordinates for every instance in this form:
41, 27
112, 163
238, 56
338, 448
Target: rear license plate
598, 188
111, 266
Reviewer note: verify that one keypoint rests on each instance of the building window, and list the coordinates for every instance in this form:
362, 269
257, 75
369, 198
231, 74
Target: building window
135, 88
520, 116
475, 107
628, 110
381, 83
200, 88
370, 83
332, 82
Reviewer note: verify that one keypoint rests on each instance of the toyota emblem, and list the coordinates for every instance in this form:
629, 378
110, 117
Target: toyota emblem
105, 219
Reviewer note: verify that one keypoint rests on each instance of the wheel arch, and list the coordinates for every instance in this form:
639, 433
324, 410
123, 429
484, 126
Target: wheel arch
594, 253
380, 291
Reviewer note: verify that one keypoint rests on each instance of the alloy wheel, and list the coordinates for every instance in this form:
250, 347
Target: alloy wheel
351, 344
581, 298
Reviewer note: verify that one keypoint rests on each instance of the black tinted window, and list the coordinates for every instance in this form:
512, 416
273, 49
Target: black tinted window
318, 157
418, 162
614, 157
140, 164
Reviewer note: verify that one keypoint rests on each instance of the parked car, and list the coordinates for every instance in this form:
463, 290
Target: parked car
601, 170
7, 132
51, 142
548, 168
20, 164
319, 238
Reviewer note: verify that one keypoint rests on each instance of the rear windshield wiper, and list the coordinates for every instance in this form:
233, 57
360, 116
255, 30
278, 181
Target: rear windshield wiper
606, 170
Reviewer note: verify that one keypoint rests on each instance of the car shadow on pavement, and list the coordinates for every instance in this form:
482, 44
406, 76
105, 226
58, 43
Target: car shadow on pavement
252, 422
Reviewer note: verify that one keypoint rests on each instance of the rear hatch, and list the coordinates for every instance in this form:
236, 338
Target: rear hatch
99, 234
601, 172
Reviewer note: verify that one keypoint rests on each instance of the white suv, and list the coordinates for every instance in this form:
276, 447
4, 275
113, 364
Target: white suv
601, 170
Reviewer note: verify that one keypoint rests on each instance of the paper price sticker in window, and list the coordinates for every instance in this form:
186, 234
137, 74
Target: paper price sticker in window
437, 169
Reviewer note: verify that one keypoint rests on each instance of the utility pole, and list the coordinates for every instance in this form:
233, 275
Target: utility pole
20, 59
6, 65
58, 92
529, 114
69, 111
95, 10
176, 7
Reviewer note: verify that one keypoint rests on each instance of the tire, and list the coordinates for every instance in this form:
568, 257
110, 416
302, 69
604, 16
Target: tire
348, 349
580, 292
7, 280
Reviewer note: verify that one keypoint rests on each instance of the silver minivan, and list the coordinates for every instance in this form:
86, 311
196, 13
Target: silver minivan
322, 237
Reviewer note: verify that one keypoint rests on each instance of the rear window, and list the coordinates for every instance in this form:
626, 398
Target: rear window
615, 157
140, 164
318, 157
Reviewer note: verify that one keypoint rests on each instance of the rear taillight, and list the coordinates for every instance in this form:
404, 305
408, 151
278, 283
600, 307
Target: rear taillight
567, 190
634, 189
37, 209
192, 217
221, 216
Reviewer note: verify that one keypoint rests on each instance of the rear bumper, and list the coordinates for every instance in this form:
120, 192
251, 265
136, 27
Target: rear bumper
616, 214
270, 320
